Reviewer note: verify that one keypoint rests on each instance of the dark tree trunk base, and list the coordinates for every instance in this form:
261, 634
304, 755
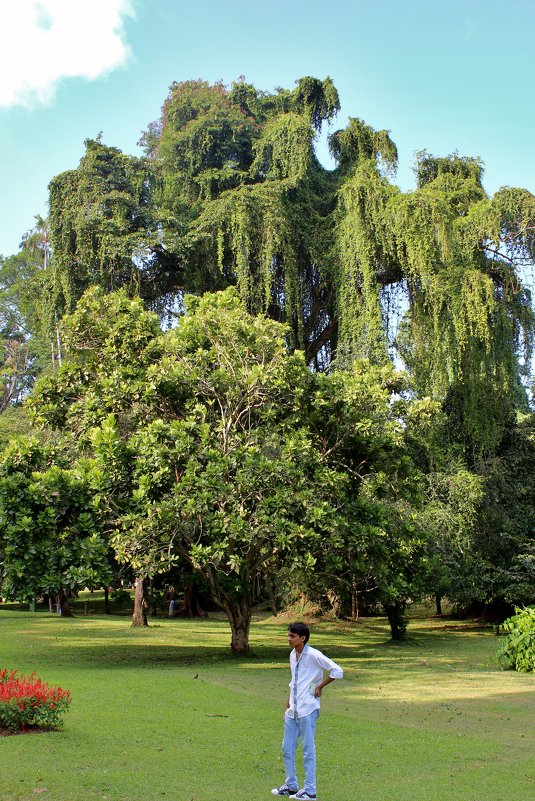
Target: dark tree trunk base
396, 614
107, 606
189, 606
239, 616
64, 606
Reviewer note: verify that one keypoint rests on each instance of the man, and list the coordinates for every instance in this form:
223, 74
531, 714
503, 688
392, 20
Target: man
307, 666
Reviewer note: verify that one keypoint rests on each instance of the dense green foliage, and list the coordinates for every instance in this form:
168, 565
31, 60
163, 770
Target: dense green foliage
231, 192
377, 486
518, 650
211, 444
51, 539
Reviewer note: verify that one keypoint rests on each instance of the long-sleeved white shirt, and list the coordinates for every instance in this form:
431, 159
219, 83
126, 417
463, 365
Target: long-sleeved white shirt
307, 673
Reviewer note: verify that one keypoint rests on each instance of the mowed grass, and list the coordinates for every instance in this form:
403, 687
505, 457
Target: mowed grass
166, 713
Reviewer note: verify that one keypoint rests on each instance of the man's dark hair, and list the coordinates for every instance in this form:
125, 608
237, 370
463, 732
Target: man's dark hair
301, 629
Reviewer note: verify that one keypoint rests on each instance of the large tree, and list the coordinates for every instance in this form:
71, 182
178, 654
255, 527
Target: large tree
212, 445
231, 192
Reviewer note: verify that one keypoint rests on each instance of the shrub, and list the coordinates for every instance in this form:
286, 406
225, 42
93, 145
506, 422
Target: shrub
28, 702
518, 650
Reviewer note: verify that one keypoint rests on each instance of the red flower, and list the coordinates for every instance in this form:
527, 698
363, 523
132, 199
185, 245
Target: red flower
29, 701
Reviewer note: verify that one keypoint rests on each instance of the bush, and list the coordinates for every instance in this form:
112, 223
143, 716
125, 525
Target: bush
518, 650
29, 702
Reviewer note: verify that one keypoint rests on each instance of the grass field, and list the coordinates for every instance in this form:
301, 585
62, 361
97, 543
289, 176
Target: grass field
166, 713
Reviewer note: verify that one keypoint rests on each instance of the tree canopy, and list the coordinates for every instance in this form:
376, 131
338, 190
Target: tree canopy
282, 384
211, 444
231, 192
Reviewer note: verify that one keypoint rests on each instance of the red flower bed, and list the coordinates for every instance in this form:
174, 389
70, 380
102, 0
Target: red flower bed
30, 703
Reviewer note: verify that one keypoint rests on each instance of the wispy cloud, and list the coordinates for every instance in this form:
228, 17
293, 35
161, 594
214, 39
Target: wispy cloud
44, 41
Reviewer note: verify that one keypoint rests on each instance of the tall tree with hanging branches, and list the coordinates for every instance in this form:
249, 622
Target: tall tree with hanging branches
231, 192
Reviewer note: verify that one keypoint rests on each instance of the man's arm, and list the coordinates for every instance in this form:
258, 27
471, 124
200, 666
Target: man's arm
335, 672
324, 683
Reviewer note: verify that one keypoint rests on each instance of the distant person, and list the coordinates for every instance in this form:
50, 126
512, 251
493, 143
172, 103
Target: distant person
174, 603
307, 666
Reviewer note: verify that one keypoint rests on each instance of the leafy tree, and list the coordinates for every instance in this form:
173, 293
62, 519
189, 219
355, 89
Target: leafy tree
505, 533
518, 650
211, 445
450, 519
23, 350
379, 556
231, 192
103, 231
50, 536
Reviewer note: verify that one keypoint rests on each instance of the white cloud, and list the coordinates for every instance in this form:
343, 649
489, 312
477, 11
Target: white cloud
44, 41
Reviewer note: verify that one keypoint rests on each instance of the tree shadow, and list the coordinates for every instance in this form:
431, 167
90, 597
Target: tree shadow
108, 641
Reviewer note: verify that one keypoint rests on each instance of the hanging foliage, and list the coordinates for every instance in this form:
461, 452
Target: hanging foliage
231, 192
103, 230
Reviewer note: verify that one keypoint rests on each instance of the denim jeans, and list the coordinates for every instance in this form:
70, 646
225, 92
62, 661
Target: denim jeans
305, 728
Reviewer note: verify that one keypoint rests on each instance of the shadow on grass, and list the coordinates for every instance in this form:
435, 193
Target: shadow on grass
107, 641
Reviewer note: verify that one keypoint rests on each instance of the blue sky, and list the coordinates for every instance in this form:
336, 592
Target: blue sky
442, 75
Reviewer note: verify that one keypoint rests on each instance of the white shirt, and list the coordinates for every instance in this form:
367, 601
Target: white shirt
307, 673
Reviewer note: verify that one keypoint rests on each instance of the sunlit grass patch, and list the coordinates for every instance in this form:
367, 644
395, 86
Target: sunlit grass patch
167, 713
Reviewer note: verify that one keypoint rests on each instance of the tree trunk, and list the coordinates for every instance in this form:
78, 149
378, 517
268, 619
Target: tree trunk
395, 612
238, 611
139, 617
189, 606
107, 607
438, 602
239, 615
354, 605
334, 602
64, 607
271, 595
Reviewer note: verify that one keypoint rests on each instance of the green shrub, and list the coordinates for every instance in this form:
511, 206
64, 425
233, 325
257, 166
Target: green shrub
28, 702
518, 650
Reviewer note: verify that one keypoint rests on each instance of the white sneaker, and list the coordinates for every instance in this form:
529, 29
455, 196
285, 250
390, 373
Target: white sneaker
284, 790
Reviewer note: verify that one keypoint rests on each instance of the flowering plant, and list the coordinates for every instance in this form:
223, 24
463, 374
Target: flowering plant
27, 702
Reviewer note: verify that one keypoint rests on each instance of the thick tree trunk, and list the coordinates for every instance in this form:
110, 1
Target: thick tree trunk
64, 607
139, 617
395, 612
189, 606
438, 602
239, 615
238, 611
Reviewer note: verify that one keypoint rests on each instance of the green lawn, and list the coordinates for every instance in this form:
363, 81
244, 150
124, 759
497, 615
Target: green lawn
165, 713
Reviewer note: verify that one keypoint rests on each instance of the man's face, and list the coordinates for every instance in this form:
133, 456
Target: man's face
295, 641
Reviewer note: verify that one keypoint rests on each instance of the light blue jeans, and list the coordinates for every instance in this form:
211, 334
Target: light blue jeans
304, 728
